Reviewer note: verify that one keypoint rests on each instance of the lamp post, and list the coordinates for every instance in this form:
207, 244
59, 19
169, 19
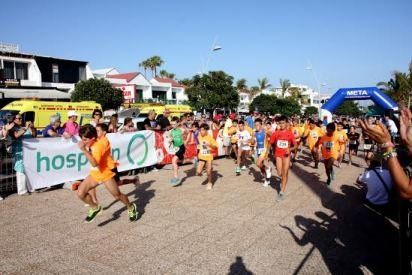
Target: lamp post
310, 68
214, 48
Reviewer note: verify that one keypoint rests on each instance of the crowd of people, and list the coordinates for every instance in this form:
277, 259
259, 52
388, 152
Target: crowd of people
256, 139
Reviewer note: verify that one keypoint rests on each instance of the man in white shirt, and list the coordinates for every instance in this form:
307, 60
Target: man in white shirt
392, 128
243, 139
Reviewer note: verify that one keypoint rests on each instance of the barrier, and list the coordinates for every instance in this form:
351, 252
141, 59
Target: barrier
7, 175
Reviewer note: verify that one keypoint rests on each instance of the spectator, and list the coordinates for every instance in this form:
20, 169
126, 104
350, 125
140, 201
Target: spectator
113, 124
53, 129
128, 125
382, 136
150, 122
71, 128
250, 120
390, 124
17, 133
97, 117
163, 121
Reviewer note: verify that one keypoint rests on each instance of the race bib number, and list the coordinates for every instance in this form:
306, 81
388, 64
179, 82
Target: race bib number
282, 144
205, 152
328, 145
352, 142
261, 151
314, 135
367, 146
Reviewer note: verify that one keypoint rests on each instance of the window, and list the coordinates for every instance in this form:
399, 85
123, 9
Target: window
82, 73
55, 73
28, 116
8, 70
173, 95
21, 70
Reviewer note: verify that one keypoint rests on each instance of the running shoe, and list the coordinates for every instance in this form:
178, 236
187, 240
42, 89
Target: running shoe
244, 168
281, 196
266, 183
93, 213
133, 214
175, 181
237, 170
268, 172
328, 182
209, 186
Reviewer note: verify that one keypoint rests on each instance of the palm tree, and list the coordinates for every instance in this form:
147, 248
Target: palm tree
155, 61
285, 85
145, 65
253, 91
241, 85
295, 93
164, 73
263, 83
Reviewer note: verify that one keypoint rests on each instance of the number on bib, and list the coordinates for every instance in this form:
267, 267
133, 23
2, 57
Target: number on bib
282, 144
328, 145
261, 151
367, 146
205, 152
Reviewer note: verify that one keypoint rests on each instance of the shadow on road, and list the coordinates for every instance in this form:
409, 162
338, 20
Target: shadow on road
142, 197
239, 267
353, 238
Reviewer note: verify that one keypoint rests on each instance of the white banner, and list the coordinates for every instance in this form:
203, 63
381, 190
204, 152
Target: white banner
51, 161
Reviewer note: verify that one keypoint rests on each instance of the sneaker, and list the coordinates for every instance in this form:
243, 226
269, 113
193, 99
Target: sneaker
349, 163
237, 170
175, 181
243, 168
1, 198
209, 186
268, 172
332, 175
93, 213
266, 183
328, 182
133, 214
280, 197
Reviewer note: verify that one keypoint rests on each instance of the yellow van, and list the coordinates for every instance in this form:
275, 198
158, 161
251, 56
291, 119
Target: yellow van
39, 112
175, 110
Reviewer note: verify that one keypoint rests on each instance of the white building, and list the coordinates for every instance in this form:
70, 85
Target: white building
134, 85
168, 90
24, 75
244, 102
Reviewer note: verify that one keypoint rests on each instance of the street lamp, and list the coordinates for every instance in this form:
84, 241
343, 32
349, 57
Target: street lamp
310, 68
214, 48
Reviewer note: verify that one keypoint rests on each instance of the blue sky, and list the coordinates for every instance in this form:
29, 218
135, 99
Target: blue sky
348, 43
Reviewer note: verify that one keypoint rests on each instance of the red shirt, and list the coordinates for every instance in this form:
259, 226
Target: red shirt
281, 140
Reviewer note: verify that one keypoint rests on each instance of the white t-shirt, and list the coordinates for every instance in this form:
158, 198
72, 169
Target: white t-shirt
228, 124
377, 193
243, 139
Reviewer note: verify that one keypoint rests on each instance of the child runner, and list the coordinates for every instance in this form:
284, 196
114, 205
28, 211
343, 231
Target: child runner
353, 143
297, 131
262, 151
313, 133
284, 143
243, 138
330, 150
176, 135
233, 138
342, 138
206, 144
98, 153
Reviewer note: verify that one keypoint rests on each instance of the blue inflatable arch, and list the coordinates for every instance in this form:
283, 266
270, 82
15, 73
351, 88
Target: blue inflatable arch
365, 93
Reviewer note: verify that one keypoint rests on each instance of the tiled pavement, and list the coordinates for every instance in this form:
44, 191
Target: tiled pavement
236, 228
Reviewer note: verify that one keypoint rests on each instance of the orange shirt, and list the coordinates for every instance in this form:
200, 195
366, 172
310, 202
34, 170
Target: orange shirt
297, 132
330, 146
101, 152
342, 136
206, 144
313, 136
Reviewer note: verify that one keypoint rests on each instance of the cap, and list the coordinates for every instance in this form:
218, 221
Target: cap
72, 113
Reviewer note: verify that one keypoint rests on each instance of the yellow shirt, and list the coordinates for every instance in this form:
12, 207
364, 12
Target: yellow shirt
313, 136
297, 132
342, 136
330, 146
206, 143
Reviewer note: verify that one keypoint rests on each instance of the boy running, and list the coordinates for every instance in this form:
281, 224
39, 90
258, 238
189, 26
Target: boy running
330, 150
98, 153
342, 138
206, 144
284, 143
313, 133
243, 139
262, 151
176, 135
297, 131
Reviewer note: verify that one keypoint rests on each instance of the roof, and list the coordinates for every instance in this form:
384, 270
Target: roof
103, 71
28, 55
127, 76
170, 81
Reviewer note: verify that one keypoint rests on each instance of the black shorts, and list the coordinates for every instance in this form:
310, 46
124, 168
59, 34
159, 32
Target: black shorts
353, 147
117, 175
180, 154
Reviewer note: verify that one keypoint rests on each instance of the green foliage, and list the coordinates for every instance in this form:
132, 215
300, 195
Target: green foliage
310, 110
273, 105
399, 87
263, 83
152, 63
348, 107
166, 74
285, 85
99, 90
241, 85
212, 90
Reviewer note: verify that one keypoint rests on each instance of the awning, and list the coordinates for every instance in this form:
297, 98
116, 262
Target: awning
37, 92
